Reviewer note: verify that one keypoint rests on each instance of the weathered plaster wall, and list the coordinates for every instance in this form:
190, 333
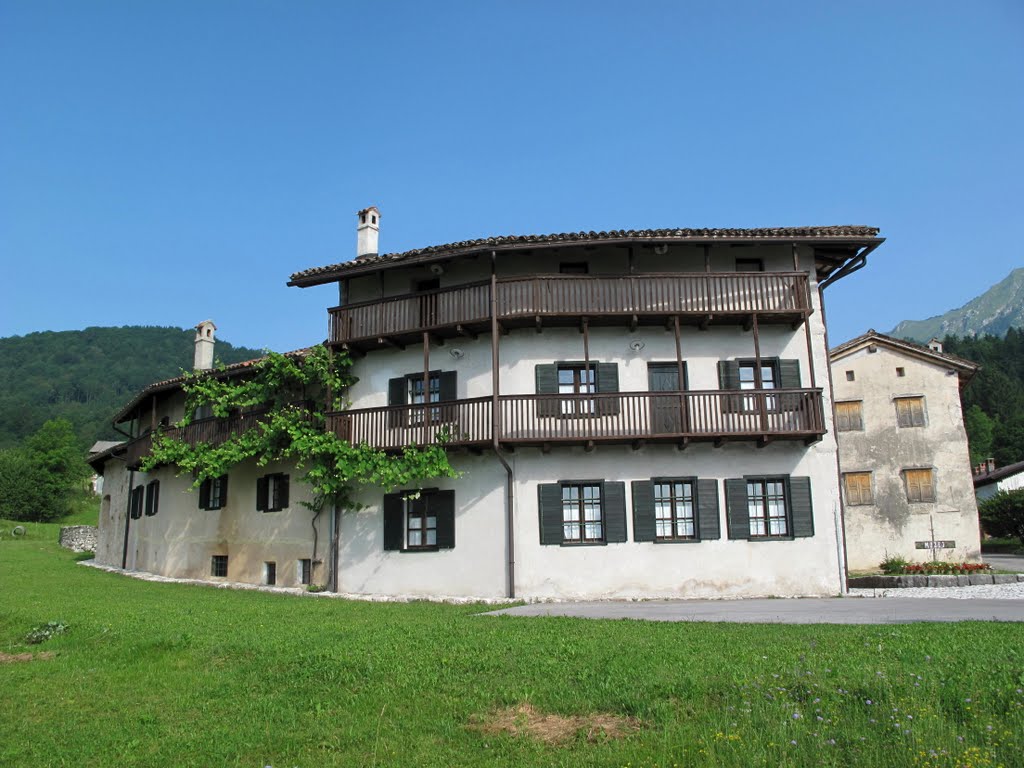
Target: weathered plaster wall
892, 524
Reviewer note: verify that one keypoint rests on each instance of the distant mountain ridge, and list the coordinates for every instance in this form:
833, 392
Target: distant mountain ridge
86, 376
997, 310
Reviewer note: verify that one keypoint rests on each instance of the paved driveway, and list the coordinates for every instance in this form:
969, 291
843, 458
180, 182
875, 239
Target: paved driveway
1005, 562
841, 610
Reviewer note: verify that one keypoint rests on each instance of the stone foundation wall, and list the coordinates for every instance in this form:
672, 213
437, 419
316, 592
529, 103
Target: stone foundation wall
79, 538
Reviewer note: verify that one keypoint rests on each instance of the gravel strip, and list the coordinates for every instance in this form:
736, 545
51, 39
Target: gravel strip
990, 591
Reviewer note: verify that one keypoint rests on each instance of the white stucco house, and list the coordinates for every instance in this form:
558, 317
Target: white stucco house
990, 480
634, 414
906, 472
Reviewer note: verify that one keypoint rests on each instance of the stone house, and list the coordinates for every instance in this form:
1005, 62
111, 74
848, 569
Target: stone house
633, 413
905, 466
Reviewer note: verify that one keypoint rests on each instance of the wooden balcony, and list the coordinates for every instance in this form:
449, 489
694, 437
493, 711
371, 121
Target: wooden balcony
700, 299
213, 431
624, 417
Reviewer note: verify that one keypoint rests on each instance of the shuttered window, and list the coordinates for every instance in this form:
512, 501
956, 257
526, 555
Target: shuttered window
858, 488
272, 492
136, 501
741, 375
412, 390
213, 493
849, 416
769, 507
920, 485
909, 411
578, 382
419, 520
152, 498
675, 509
582, 512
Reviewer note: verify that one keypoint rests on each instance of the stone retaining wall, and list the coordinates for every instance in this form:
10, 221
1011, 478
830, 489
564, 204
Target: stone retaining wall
897, 582
79, 538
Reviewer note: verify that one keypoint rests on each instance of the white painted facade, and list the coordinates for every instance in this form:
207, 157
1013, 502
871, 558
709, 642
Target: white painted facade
893, 524
181, 539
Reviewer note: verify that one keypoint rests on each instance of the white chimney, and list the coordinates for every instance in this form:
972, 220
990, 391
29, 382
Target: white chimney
367, 232
935, 345
204, 345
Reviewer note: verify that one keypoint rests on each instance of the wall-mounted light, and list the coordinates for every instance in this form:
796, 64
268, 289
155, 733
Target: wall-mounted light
436, 269
457, 353
636, 345
661, 250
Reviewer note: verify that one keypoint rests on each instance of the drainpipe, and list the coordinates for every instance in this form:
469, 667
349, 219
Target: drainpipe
335, 539
127, 519
510, 530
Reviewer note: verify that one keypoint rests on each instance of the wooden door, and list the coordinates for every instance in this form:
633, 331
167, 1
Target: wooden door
666, 411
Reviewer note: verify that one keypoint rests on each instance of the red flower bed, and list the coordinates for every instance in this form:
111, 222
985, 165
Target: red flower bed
945, 568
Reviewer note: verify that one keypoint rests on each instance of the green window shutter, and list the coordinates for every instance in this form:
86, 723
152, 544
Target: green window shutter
442, 504
800, 510
282, 493
789, 374
204, 494
708, 525
262, 490
644, 528
397, 393
736, 512
152, 498
607, 375
223, 491
729, 379
135, 510
549, 504
546, 375
613, 510
394, 521
448, 390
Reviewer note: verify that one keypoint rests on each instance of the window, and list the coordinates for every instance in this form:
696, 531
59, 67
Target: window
270, 573
411, 390
775, 374
152, 497
849, 416
909, 411
573, 268
749, 265
769, 507
578, 382
135, 502
858, 488
213, 493
668, 509
219, 565
901, 372
419, 520
272, 492
850, 376
304, 570
920, 485
582, 512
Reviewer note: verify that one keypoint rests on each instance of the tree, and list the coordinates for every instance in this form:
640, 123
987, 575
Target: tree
1003, 514
56, 449
979, 433
27, 491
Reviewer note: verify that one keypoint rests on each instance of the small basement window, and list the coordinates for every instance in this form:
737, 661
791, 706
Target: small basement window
219, 566
901, 372
305, 571
850, 376
270, 573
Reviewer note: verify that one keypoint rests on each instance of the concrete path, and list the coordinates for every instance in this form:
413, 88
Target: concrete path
1013, 563
841, 610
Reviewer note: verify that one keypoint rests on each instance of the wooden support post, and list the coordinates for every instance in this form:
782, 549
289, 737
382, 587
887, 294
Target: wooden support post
810, 353
495, 378
707, 258
426, 386
758, 383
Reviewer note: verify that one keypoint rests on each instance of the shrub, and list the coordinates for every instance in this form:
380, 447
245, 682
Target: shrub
1003, 514
893, 564
44, 632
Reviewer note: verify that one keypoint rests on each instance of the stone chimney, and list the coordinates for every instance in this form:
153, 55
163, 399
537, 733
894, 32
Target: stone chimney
935, 345
204, 345
990, 465
367, 232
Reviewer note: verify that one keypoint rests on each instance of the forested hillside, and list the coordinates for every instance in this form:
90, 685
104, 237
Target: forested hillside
994, 400
86, 376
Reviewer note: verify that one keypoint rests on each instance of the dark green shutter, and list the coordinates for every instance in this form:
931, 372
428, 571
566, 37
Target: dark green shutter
800, 510
448, 391
204, 494
282, 491
223, 491
546, 375
644, 528
262, 489
442, 504
397, 392
729, 379
394, 521
136, 502
608, 381
549, 504
708, 526
736, 510
152, 498
613, 509
789, 374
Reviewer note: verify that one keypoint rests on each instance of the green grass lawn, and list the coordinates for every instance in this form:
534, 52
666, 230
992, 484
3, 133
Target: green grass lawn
172, 675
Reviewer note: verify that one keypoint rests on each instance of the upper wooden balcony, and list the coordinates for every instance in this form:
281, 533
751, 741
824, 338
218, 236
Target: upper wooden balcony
701, 299
213, 431
589, 419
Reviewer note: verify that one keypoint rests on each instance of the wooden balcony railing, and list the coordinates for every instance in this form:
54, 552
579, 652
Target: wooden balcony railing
701, 298
212, 430
793, 414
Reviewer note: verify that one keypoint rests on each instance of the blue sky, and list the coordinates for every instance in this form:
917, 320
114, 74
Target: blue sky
161, 163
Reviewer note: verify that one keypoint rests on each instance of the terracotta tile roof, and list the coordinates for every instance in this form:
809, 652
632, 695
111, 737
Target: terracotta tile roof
845, 233
234, 369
